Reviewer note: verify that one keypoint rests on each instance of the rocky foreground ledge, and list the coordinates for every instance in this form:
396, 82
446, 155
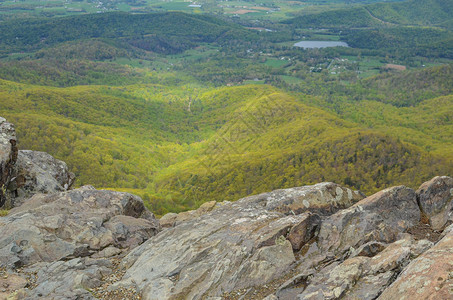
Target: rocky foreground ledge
322, 241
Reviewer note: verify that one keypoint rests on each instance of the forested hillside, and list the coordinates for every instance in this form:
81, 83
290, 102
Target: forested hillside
139, 102
403, 29
412, 12
233, 141
159, 32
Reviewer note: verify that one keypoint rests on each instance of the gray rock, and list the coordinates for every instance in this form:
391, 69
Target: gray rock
168, 220
71, 224
107, 252
266, 262
68, 279
172, 219
323, 198
39, 172
8, 157
237, 245
380, 217
25, 173
363, 277
436, 200
129, 232
429, 276
369, 249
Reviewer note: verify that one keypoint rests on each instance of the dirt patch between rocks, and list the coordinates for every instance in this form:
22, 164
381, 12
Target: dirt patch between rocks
103, 291
423, 231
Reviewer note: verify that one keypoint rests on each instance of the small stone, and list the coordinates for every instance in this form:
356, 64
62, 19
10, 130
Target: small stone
337, 292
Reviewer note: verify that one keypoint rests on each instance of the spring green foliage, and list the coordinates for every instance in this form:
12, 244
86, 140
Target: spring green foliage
233, 142
136, 102
409, 88
68, 72
299, 145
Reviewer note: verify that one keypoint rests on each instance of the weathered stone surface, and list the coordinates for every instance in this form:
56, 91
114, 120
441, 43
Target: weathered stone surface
266, 262
268, 235
380, 217
326, 197
39, 172
8, 157
25, 173
67, 279
129, 232
236, 245
363, 277
172, 219
335, 279
168, 220
436, 200
107, 252
369, 249
72, 224
430, 276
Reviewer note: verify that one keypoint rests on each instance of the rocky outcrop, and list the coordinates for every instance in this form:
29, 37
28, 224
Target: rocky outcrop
60, 243
323, 198
436, 200
8, 157
66, 239
72, 224
322, 241
25, 173
235, 246
380, 218
362, 277
260, 247
39, 172
430, 276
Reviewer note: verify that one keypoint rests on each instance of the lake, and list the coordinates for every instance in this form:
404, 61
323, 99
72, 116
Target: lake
320, 44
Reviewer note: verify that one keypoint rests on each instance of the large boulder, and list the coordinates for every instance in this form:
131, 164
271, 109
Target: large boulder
25, 173
8, 157
436, 200
235, 246
323, 198
73, 224
380, 217
39, 172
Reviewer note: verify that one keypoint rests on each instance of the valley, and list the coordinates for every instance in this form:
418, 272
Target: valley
135, 102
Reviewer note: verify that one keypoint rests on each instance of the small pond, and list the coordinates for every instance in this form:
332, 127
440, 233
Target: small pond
320, 44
